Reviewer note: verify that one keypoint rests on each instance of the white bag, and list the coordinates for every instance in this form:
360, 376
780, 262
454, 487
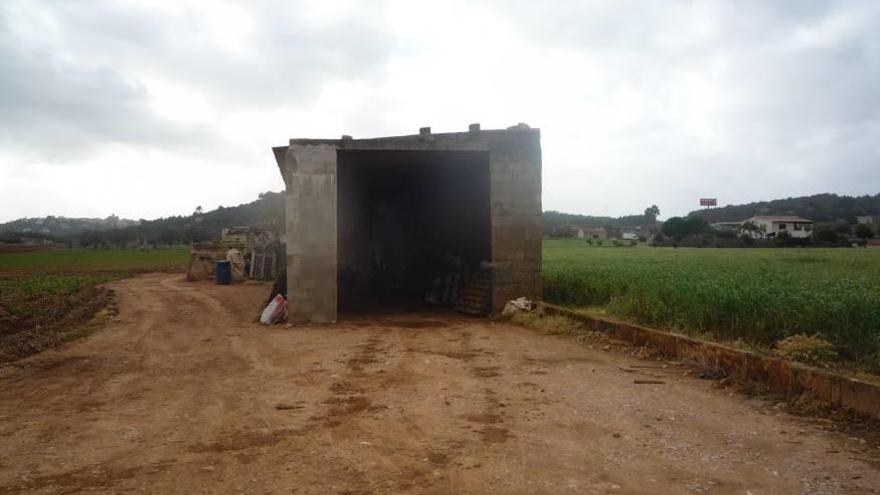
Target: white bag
273, 309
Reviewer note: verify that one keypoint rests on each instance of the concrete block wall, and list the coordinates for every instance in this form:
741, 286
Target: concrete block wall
309, 170
515, 195
310, 203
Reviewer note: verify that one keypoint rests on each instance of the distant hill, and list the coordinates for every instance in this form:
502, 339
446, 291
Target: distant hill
266, 212
824, 208
63, 226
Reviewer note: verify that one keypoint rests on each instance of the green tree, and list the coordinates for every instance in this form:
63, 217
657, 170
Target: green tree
678, 226
651, 214
864, 232
673, 226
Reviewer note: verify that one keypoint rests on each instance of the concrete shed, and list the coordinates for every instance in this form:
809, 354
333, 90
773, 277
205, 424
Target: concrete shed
379, 223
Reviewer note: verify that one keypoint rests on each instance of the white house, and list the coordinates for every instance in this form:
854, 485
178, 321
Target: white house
771, 226
868, 219
598, 233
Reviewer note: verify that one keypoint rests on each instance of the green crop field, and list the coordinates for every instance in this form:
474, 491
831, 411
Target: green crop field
30, 275
46, 295
756, 296
92, 260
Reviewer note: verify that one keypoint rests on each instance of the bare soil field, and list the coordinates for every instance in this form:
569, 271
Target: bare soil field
182, 392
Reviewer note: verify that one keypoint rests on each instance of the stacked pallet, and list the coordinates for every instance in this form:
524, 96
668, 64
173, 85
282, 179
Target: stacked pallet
476, 297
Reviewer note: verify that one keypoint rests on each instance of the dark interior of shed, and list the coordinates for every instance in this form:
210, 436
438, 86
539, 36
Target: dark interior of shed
410, 226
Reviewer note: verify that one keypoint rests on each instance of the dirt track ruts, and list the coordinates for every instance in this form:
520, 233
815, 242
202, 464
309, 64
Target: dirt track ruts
183, 393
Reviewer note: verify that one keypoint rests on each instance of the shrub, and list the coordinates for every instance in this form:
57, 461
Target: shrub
678, 226
782, 239
811, 350
864, 231
825, 234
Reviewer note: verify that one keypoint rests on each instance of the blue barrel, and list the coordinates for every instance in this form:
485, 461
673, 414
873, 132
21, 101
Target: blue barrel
224, 272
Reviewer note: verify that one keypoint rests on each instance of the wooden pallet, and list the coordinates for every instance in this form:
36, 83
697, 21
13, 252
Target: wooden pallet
263, 264
476, 297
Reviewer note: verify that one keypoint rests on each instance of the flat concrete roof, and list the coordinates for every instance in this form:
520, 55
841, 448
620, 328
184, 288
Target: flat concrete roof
475, 139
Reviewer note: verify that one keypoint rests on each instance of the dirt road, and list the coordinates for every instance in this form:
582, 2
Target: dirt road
185, 394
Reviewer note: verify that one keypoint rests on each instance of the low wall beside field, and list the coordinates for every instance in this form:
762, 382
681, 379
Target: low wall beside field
779, 375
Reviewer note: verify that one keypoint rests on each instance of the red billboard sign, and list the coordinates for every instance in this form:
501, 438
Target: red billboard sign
708, 202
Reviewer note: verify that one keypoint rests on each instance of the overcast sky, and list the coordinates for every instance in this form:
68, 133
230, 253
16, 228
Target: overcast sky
149, 108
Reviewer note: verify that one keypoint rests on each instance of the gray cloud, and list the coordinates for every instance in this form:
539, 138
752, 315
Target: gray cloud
671, 100
285, 56
83, 85
47, 104
797, 85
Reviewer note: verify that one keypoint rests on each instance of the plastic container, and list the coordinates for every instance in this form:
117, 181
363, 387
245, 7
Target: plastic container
224, 272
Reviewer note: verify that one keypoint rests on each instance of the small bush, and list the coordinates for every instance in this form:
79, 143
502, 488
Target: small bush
782, 238
825, 234
811, 350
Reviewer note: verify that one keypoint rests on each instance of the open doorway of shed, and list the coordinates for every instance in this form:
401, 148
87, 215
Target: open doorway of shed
406, 220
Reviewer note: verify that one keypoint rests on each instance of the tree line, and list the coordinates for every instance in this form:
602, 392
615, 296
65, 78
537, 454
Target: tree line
266, 212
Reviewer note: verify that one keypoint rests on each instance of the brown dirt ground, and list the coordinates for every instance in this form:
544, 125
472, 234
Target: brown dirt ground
184, 393
50, 321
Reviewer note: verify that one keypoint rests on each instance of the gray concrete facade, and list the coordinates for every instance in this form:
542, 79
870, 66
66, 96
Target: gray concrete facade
309, 168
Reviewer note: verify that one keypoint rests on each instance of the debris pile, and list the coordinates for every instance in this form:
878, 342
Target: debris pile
253, 253
520, 305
